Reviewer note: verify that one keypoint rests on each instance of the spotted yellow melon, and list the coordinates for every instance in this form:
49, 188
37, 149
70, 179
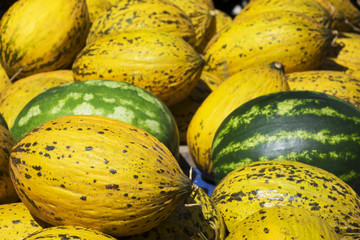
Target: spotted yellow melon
97, 172
292, 38
41, 35
160, 62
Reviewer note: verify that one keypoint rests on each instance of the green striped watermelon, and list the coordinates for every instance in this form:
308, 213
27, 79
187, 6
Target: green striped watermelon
305, 126
113, 99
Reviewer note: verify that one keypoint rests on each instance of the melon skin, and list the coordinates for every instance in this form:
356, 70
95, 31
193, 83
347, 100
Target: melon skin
306, 126
114, 99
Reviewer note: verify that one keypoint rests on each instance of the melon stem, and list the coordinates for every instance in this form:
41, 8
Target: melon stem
16, 74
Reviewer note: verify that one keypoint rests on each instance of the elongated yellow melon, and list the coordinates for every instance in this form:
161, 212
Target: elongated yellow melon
41, 35
292, 38
344, 57
164, 64
222, 20
339, 22
99, 173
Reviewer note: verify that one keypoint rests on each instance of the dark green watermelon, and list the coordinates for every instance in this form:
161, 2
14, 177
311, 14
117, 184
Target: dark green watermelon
305, 126
107, 98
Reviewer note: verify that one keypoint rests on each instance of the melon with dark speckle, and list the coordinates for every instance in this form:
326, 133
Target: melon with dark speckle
49, 41
97, 172
160, 62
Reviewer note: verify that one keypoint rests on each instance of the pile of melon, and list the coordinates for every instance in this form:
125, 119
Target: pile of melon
99, 99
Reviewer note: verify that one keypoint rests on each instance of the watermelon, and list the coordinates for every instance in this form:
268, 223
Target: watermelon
107, 98
305, 126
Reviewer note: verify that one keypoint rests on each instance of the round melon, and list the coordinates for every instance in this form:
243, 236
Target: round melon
304, 126
97, 172
114, 99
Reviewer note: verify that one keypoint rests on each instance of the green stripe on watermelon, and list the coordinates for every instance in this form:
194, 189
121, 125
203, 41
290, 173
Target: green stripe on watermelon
113, 99
305, 126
